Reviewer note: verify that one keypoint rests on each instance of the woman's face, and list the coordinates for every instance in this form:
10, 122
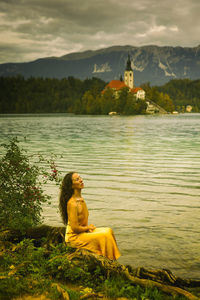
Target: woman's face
77, 181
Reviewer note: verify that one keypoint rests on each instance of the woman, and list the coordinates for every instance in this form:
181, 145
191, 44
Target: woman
74, 213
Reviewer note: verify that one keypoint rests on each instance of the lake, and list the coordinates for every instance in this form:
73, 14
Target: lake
141, 176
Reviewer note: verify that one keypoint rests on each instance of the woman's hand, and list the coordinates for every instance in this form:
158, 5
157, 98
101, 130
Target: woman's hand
91, 228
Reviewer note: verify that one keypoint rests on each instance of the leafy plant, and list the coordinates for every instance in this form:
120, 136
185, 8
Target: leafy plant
21, 187
26, 269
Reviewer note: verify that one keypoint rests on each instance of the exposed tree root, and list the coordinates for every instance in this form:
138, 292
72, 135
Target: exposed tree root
162, 287
163, 280
113, 267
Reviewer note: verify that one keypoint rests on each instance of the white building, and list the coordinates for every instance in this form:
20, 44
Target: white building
139, 93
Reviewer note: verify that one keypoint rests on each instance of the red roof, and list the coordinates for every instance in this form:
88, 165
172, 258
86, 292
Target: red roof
116, 84
137, 89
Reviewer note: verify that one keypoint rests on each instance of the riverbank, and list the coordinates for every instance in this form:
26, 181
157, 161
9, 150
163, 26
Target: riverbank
38, 264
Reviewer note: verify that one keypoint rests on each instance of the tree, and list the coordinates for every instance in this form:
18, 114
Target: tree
129, 108
89, 103
121, 100
107, 102
165, 102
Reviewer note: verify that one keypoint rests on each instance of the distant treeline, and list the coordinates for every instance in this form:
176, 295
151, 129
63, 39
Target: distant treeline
44, 95
182, 92
71, 95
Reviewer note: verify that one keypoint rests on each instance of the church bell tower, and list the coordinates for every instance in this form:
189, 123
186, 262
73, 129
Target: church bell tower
128, 74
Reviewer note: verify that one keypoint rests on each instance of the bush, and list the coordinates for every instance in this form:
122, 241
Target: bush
21, 194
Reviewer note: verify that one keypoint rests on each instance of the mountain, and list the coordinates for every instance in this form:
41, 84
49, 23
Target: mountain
153, 64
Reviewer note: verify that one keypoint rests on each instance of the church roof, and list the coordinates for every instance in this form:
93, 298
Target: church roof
137, 89
116, 84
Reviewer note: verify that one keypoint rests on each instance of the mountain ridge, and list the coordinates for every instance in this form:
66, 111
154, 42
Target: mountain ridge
150, 63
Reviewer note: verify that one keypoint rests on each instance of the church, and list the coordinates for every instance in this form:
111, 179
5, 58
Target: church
117, 85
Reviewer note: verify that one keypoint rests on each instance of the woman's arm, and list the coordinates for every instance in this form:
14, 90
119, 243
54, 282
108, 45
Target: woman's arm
73, 219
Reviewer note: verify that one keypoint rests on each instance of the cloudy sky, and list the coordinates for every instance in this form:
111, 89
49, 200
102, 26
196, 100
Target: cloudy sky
31, 29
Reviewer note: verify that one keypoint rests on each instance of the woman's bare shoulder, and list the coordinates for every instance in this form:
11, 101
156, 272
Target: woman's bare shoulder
72, 203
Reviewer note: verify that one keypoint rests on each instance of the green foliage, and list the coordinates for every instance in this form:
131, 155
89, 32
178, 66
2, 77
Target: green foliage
123, 103
183, 92
29, 270
176, 94
121, 100
71, 95
62, 269
107, 102
157, 96
133, 106
118, 287
24, 269
21, 188
45, 95
11, 287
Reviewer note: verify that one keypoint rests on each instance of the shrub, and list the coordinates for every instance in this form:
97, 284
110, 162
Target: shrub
21, 193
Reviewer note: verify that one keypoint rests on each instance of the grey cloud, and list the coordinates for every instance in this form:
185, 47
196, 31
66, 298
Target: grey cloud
76, 25
19, 53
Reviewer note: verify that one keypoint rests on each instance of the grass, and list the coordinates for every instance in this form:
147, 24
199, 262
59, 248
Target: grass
29, 270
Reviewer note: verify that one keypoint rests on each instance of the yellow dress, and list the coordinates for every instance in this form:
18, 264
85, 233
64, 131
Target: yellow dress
101, 241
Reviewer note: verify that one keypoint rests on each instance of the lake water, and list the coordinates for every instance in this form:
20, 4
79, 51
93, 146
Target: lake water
141, 177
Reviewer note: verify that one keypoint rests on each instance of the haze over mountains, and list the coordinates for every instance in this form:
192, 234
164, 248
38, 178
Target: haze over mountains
153, 64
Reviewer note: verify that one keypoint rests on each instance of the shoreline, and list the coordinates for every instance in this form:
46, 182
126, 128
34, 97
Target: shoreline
40, 258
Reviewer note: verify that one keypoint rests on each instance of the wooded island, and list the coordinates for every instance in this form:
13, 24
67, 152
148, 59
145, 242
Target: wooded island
71, 95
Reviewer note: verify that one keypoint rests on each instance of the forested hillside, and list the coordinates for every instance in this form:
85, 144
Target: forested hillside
39, 95
71, 95
182, 92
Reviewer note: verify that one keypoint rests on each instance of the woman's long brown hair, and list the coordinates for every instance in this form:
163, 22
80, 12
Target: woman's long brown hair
65, 194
